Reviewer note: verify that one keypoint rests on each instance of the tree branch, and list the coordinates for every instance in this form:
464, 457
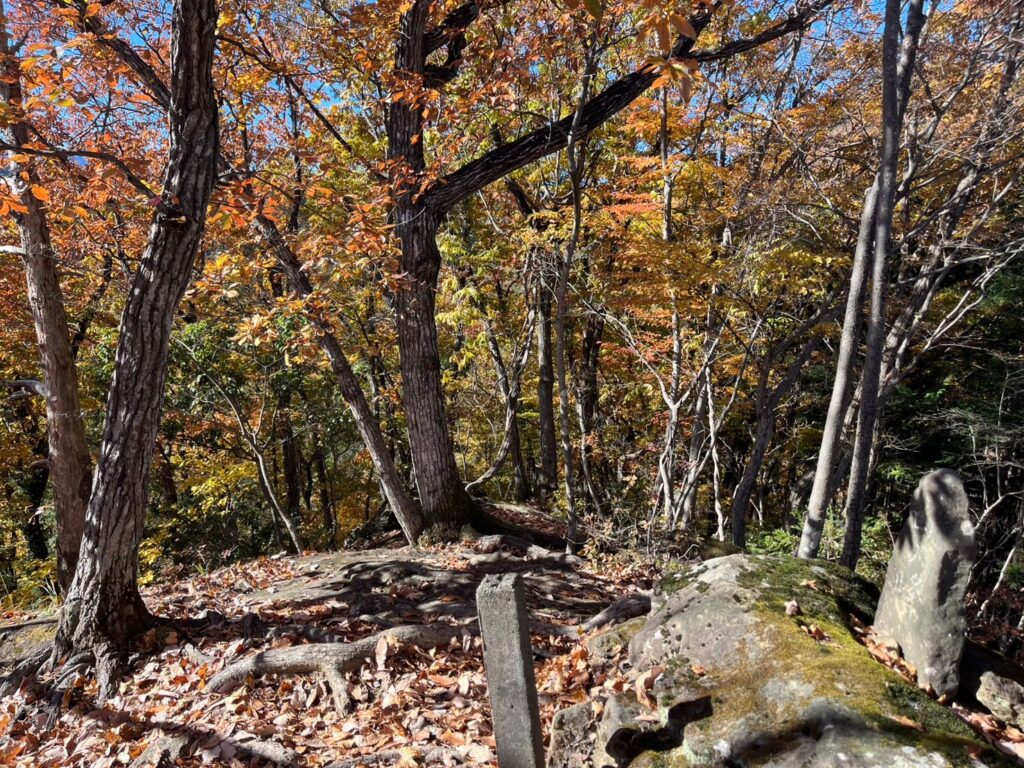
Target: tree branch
502, 160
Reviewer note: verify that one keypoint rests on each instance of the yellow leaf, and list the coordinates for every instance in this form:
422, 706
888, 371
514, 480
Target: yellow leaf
40, 193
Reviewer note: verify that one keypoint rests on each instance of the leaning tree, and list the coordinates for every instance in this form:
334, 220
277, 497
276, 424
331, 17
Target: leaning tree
103, 608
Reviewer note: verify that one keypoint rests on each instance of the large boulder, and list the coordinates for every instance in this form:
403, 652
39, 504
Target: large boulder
755, 665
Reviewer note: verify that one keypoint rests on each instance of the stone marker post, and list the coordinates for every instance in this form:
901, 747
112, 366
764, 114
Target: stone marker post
508, 661
922, 602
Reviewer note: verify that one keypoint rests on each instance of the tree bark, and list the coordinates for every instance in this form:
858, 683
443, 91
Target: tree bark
103, 607
409, 517
546, 385
291, 460
416, 216
842, 386
443, 497
892, 123
68, 455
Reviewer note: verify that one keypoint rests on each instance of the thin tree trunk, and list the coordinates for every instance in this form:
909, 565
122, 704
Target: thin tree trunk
266, 482
716, 482
575, 162
68, 455
408, 516
103, 607
842, 386
546, 386
892, 123
330, 521
291, 460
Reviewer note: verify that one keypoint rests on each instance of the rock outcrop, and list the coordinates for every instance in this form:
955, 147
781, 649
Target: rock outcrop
755, 665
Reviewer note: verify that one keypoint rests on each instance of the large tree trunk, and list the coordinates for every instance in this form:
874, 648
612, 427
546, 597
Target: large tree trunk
69, 461
443, 497
416, 215
103, 608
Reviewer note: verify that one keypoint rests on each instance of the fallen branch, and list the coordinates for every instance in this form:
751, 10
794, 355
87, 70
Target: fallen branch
329, 659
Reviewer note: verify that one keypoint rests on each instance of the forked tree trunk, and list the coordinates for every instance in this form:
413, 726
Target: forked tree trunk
894, 69
103, 607
416, 215
68, 456
876, 218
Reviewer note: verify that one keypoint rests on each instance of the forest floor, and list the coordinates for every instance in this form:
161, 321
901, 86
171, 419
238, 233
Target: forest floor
399, 705
403, 706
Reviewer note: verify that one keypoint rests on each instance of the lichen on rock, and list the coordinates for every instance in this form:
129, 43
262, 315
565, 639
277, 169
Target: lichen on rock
777, 689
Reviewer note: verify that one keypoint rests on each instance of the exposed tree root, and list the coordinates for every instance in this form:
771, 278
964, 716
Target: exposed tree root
487, 523
623, 609
329, 659
393, 757
25, 671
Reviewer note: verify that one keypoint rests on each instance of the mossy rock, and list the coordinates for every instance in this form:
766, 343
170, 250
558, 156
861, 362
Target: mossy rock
785, 690
19, 642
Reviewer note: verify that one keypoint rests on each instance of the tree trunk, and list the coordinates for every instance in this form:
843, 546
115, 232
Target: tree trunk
546, 386
443, 497
892, 123
842, 386
68, 456
408, 516
292, 460
103, 608
326, 503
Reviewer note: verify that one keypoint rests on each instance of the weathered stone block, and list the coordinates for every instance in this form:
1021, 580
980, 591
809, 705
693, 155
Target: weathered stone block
922, 603
508, 660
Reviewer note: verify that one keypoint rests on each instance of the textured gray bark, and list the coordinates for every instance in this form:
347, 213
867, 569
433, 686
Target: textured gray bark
895, 68
68, 452
103, 607
546, 386
842, 386
876, 219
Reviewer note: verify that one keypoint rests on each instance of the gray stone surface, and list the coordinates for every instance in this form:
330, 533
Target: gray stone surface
508, 660
572, 737
922, 604
1003, 697
741, 683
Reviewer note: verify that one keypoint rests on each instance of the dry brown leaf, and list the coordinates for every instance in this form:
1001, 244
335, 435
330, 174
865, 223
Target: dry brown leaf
907, 722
